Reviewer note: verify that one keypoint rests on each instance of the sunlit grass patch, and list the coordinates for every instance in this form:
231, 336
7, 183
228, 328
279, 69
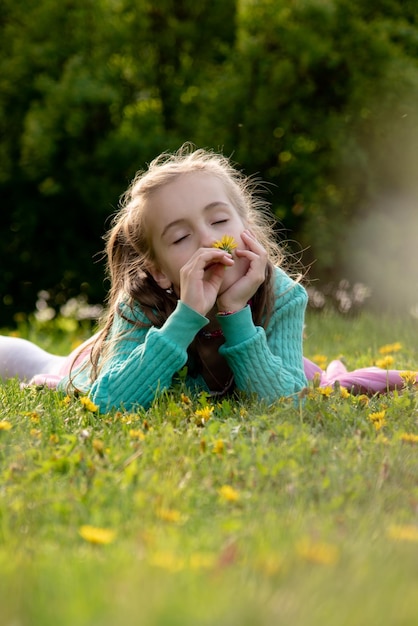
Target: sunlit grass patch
200, 511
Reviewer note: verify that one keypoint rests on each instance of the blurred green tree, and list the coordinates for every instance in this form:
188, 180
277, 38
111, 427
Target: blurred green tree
317, 97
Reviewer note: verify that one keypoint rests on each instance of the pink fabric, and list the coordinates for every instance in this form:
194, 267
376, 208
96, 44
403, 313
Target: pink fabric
364, 380
74, 359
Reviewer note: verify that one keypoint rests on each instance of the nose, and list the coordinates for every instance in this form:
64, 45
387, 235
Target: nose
206, 237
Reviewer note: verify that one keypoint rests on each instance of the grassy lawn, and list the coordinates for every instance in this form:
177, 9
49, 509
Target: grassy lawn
231, 513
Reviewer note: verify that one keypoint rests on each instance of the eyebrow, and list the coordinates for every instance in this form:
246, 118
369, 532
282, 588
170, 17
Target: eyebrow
208, 207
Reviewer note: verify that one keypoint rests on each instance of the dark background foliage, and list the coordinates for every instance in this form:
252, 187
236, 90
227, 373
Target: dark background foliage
316, 97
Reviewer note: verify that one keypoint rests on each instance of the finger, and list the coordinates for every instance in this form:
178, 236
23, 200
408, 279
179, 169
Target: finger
251, 241
205, 256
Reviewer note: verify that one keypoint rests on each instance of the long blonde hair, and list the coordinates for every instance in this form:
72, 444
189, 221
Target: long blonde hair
129, 250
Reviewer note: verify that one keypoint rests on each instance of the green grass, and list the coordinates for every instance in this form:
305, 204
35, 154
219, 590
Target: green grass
293, 514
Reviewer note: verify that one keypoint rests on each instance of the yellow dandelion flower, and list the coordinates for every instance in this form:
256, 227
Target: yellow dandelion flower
168, 561
325, 391
228, 494
377, 419
344, 393
403, 532
201, 560
363, 399
5, 425
409, 378
317, 552
218, 446
98, 446
203, 415
185, 399
53, 439
386, 362
390, 347
88, 404
321, 360
227, 243
409, 438
136, 434
35, 433
170, 515
98, 536
66, 400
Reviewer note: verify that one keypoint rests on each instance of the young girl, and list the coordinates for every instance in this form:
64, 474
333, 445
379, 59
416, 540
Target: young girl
196, 280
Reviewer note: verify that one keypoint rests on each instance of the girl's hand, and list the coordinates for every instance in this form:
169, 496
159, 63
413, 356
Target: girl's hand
238, 294
201, 278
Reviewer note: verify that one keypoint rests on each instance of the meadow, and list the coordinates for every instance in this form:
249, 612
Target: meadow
199, 513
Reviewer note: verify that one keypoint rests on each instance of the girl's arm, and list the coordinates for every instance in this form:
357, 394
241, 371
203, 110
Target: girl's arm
145, 360
268, 363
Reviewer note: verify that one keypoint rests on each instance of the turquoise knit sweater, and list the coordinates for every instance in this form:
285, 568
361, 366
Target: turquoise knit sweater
265, 362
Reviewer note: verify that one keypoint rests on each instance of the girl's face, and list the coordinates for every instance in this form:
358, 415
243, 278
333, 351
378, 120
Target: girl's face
190, 213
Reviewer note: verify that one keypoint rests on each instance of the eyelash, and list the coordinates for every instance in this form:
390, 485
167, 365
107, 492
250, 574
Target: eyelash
179, 240
223, 221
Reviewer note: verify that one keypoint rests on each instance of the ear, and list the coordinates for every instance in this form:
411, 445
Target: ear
158, 275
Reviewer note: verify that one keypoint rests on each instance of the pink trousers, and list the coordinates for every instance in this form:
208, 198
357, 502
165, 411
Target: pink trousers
32, 365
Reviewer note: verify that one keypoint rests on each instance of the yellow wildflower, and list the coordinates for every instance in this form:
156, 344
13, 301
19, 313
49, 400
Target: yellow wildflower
88, 404
406, 532
385, 363
203, 415
98, 536
344, 393
409, 438
201, 560
168, 561
377, 419
218, 446
409, 378
390, 347
227, 243
363, 399
98, 446
170, 515
136, 434
321, 360
5, 425
325, 391
317, 552
228, 494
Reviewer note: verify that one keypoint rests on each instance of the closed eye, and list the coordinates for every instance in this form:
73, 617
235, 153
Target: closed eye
180, 239
220, 221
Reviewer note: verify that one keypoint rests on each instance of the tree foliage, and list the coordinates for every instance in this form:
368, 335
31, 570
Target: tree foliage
316, 96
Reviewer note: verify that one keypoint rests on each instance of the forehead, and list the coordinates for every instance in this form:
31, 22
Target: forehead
182, 197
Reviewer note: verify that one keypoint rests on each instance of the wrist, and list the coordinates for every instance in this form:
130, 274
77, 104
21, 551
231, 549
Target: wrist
229, 310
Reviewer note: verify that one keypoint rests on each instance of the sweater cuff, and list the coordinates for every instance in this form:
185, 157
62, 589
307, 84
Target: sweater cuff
237, 327
183, 324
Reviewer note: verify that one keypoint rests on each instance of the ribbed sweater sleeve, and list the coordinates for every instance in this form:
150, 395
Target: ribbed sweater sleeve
268, 362
145, 361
